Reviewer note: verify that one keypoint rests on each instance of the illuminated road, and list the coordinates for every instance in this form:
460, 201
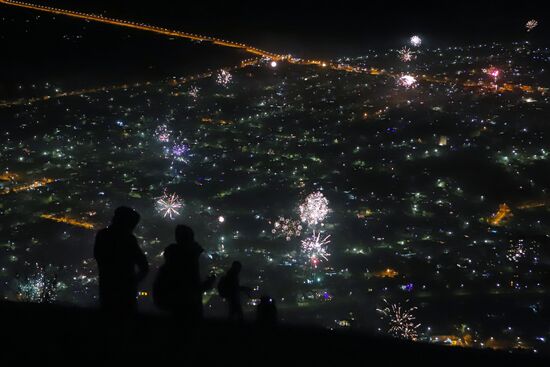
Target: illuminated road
27, 187
145, 27
67, 220
190, 36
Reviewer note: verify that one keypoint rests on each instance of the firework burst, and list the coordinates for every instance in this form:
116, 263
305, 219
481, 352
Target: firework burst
492, 72
287, 228
315, 247
531, 24
163, 133
40, 287
405, 54
194, 92
314, 209
516, 252
224, 78
407, 81
179, 152
415, 41
169, 205
401, 321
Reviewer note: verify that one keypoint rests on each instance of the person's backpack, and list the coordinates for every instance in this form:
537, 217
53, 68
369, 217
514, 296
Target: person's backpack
223, 287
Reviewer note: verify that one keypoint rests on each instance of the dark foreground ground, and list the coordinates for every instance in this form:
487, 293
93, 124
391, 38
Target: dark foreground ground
55, 335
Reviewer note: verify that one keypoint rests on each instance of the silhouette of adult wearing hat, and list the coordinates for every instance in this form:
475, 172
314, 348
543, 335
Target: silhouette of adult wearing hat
178, 287
121, 262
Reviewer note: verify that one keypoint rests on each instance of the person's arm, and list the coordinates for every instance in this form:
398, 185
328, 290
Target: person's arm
141, 263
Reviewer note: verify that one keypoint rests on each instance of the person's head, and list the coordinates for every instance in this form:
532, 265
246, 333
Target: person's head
172, 254
125, 219
236, 267
184, 234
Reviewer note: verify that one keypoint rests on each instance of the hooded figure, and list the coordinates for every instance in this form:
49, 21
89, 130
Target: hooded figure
120, 261
178, 287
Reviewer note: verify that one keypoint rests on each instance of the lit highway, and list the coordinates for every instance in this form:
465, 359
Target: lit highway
190, 36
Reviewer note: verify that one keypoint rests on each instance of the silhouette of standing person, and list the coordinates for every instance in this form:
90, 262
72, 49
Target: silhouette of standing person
178, 287
121, 262
229, 288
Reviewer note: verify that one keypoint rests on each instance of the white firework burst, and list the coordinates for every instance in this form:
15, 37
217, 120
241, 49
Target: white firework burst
194, 92
407, 81
401, 321
224, 78
531, 24
415, 41
169, 205
405, 54
314, 209
315, 247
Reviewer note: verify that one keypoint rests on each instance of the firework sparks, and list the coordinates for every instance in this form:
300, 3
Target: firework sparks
405, 54
169, 205
194, 92
516, 252
286, 227
315, 247
415, 41
179, 152
314, 209
163, 133
39, 287
492, 72
407, 81
531, 24
401, 321
224, 78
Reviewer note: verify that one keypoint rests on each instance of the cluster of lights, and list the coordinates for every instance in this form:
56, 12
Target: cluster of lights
34, 185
